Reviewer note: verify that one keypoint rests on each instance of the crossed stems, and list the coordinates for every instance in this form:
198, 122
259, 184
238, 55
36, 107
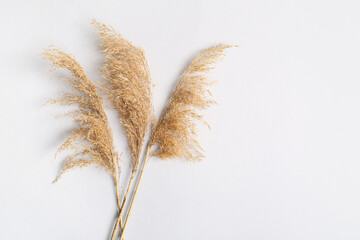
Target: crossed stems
121, 206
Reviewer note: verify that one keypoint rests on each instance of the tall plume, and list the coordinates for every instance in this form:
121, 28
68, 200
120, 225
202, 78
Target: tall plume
175, 132
128, 86
93, 139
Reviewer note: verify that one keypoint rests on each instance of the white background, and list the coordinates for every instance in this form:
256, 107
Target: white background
283, 156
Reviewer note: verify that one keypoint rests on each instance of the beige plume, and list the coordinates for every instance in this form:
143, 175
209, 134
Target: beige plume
93, 138
175, 133
128, 86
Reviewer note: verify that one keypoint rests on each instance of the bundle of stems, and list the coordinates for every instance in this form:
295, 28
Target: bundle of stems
127, 87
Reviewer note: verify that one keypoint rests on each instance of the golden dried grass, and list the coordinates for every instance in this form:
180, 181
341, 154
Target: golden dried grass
175, 132
127, 87
92, 141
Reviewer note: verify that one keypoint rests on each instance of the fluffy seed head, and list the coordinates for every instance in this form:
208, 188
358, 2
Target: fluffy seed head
175, 133
127, 87
92, 141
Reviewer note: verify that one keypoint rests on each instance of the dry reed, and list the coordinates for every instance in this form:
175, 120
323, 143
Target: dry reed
92, 141
175, 132
93, 138
128, 89
128, 86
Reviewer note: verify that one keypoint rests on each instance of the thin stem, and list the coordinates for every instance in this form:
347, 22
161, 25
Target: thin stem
136, 189
123, 204
119, 217
127, 192
117, 195
121, 208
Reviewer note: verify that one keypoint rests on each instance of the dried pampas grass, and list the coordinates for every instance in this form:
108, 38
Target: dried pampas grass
127, 87
93, 137
92, 141
175, 132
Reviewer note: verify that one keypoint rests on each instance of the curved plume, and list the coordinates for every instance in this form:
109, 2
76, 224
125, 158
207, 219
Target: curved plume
128, 86
175, 132
93, 138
